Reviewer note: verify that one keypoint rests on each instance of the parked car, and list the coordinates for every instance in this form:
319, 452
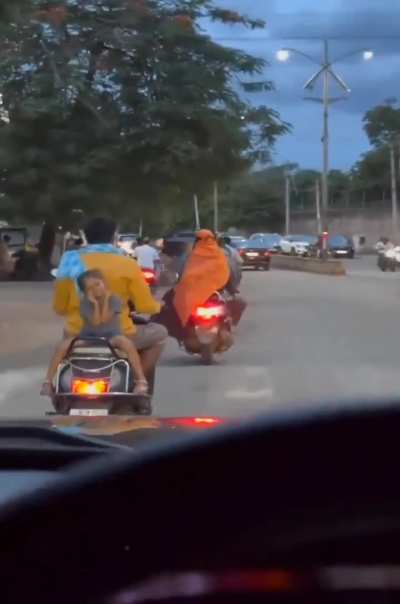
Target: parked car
256, 253
298, 245
340, 246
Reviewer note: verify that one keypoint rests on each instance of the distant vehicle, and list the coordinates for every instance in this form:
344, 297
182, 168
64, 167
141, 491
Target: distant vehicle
298, 245
179, 243
256, 253
261, 235
126, 240
272, 242
17, 238
340, 246
237, 241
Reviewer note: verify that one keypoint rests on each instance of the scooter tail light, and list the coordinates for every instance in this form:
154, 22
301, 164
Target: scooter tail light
209, 312
90, 387
149, 276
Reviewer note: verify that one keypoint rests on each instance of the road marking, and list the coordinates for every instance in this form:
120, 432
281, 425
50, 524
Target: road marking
16, 380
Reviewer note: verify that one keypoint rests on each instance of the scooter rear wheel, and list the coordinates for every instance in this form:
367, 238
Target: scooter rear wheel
207, 354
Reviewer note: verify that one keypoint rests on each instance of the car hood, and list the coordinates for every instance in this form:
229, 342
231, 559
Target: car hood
125, 430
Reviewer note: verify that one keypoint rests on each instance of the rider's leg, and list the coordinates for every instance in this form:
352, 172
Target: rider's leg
127, 345
58, 356
150, 341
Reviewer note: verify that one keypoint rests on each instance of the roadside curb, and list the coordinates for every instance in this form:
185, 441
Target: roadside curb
308, 265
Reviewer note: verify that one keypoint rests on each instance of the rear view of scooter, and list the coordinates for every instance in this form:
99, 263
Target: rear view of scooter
95, 379
209, 330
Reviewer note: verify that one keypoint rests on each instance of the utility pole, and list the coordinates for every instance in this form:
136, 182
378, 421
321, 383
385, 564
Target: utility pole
216, 218
394, 189
318, 205
196, 212
326, 72
325, 135
287, 203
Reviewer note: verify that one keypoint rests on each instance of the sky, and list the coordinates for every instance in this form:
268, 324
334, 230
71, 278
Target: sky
349, 25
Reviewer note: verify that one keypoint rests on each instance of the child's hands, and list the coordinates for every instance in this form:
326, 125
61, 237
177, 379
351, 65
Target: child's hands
91, 298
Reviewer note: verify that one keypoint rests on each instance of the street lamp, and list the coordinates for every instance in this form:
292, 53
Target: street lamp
325, 70
283, 55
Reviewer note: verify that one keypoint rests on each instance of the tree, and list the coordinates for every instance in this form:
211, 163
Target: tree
382, 124
119, 102
370, 176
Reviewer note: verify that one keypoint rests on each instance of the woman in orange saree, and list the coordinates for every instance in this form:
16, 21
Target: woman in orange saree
205, 271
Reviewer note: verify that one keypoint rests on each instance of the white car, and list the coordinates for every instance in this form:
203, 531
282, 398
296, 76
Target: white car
126, 241
297, 245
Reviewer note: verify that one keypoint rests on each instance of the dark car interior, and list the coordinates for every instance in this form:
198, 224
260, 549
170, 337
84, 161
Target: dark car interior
268, 509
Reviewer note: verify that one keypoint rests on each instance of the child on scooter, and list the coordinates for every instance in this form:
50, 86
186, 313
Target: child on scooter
100, 311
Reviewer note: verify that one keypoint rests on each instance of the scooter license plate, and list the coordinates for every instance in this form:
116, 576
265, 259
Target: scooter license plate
89, 412
206, 336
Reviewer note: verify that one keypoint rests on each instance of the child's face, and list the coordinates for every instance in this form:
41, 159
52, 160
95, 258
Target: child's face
96, 287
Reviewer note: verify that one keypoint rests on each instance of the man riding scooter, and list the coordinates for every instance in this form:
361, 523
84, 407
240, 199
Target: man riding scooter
124, 279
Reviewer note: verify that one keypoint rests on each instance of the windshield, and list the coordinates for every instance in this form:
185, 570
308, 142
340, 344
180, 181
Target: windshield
276, 124
339, 240
257, 243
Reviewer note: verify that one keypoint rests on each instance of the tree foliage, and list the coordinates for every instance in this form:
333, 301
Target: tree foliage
117, 102
382, 124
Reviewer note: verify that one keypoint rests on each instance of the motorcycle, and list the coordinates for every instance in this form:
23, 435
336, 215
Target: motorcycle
95, 379
209, 329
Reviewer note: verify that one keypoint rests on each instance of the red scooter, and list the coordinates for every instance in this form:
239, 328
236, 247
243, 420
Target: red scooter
209, 329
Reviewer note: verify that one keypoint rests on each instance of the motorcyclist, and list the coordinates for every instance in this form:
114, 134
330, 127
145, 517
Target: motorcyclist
236, 303
125, 280
235, 264
146, 255
206, 270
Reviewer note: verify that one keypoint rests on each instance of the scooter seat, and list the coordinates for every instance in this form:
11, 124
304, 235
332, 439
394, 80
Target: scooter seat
95, 351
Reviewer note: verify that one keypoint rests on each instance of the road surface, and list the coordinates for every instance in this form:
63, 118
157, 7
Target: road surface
303, 338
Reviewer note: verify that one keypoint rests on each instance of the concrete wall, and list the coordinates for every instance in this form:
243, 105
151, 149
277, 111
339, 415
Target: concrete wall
372, 223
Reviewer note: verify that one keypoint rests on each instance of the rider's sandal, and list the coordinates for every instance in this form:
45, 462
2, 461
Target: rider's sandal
47, 388
141, 387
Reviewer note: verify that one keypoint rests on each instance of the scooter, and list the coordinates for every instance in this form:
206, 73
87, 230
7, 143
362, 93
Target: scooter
209, 329
95, 379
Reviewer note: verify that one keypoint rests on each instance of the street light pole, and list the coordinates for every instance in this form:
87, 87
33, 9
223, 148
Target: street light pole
325, 139
287, 203
394, 190
325, 69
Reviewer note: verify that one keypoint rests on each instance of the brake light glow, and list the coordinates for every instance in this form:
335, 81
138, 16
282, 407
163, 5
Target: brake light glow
193, 422
206, 420
85, 387
210, 312
149, 276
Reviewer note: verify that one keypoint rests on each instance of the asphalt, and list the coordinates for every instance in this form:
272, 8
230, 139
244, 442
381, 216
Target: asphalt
304, 338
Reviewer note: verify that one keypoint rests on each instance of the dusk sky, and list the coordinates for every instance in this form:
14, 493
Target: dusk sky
302, 24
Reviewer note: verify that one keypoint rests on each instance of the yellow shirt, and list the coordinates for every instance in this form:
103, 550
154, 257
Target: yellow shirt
124, 278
